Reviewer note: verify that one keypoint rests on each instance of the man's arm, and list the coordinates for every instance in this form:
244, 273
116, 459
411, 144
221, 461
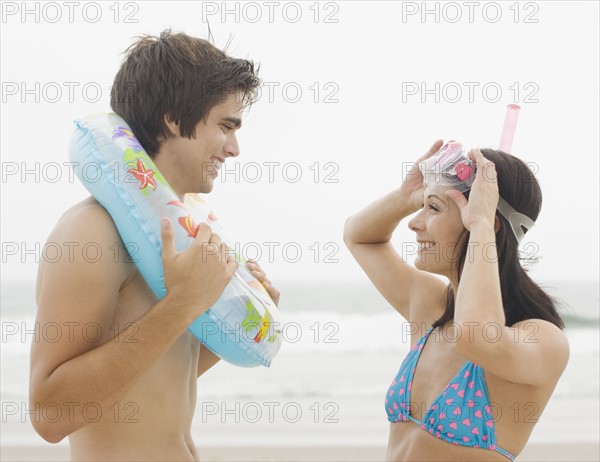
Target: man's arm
80, 296
75, 293
206, 360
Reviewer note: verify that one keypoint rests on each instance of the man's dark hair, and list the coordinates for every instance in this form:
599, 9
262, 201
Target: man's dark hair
181, 76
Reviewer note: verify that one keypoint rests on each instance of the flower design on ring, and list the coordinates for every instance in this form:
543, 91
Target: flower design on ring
122, 131
144, 175
186, 222
127, 133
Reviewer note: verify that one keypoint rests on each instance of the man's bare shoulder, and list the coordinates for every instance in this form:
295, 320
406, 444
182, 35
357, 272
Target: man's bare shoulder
88, 211
86, 234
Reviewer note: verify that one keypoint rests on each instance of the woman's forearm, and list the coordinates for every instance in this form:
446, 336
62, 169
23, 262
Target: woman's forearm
479, 298
376, 223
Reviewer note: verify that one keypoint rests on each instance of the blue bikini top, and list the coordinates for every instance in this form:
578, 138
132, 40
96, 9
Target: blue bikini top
461, 414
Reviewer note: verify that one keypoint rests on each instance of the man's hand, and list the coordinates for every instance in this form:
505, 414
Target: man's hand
207, 358
257, 271
196, 277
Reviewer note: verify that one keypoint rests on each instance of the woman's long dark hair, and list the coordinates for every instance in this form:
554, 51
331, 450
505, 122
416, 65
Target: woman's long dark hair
522, 298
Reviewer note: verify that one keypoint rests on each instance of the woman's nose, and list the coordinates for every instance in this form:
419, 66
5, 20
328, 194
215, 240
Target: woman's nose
416, 223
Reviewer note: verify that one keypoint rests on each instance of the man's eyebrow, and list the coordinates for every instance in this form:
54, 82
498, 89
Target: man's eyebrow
234, 120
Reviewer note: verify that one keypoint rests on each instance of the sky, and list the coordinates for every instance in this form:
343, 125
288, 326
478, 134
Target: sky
353, 92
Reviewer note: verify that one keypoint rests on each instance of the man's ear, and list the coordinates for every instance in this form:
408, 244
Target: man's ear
172, 126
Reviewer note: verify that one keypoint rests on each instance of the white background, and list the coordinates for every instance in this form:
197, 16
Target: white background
367, 53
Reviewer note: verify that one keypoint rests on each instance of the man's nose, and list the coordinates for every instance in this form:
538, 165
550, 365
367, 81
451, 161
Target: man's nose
232, 147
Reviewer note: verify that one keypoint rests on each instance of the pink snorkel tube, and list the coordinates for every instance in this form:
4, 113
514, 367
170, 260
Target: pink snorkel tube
510, 125
517, 220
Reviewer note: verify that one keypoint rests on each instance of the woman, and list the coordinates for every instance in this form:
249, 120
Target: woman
489, 345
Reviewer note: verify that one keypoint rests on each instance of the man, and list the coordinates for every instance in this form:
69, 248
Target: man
121, 379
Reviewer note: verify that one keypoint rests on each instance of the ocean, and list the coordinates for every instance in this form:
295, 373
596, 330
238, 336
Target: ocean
343, 346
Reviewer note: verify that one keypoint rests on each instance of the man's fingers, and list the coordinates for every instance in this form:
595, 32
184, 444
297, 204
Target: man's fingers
258, 271
273, 293
215, 239
214, 246
231, 265
203, 234
168, 242
262, 277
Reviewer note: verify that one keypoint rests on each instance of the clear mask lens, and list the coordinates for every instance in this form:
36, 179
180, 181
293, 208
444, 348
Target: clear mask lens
451, 168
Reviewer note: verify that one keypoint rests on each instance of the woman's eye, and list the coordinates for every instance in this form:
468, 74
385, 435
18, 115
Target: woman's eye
432, 207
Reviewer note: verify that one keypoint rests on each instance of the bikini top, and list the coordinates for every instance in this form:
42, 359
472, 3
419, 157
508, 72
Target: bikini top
461, 414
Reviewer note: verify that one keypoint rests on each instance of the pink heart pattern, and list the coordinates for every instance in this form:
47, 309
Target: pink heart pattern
461, 414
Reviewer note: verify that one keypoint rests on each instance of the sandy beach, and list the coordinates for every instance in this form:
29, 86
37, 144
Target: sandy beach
321, 401
349, 426
586, 451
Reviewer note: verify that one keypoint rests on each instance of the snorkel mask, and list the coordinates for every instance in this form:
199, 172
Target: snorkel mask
450, 168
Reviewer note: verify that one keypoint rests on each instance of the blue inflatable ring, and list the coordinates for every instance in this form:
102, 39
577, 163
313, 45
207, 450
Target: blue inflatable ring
242, 326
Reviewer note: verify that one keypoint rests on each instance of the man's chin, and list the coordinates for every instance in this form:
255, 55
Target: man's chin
205, 188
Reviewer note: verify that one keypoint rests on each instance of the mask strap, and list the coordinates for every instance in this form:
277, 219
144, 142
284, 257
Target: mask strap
516, 219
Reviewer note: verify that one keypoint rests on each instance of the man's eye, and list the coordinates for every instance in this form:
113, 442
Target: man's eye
226, 127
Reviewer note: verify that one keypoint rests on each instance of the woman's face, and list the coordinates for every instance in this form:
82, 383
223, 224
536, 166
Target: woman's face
438, 227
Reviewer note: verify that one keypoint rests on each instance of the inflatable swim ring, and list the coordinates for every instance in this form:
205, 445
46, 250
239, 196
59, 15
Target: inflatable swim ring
242, 327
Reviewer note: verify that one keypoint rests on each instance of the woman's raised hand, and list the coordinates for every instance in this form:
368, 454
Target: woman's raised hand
412, 184
484, 195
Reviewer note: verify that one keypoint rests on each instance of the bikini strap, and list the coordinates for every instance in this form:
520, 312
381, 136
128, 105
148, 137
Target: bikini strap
505, 453
426, 336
